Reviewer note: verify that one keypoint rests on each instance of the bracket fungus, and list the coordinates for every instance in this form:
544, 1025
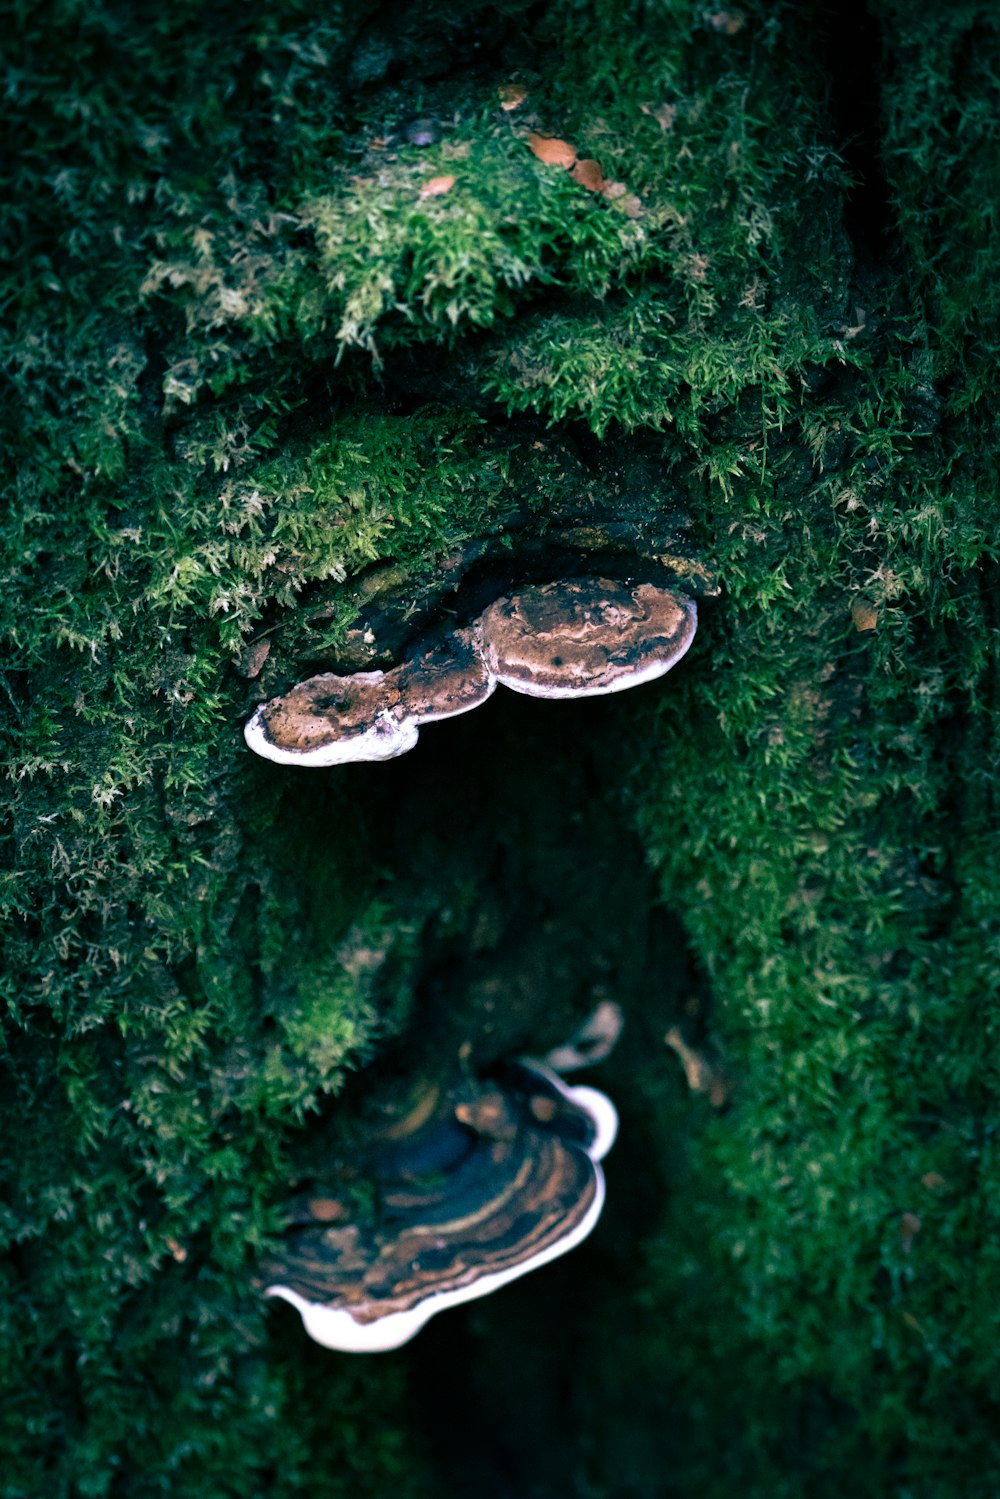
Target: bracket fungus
584, 637
579, 638
370, 715
501, 1179
296, 729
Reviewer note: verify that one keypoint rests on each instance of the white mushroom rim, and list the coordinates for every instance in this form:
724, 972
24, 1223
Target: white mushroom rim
386, 739
335, 1328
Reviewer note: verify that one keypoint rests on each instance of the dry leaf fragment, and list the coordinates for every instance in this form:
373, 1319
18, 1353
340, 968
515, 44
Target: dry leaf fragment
435, 186
632, 205
663, 114
614, 190
178, 1251
511, 95
728, 22
701, 1076
251, 660
933, 1181
909, 1227
551, 150
863, 615
589, 175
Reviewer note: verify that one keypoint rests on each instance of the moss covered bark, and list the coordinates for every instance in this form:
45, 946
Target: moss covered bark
259, 373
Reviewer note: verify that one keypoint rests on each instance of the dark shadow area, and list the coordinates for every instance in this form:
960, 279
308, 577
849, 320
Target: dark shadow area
505, 832
851, 41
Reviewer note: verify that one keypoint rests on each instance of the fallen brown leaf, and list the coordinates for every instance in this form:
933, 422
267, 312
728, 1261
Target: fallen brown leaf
551, 150
933, 1181
251, 661
863, 615
435, 186
589, 175
909, 1227
701, 1076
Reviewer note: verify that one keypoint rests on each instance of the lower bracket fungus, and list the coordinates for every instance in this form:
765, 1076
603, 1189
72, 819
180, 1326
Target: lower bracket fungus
578, 638
496, 1180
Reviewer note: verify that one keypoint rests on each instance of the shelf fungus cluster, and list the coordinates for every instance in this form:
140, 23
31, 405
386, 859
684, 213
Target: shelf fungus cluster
578, 638
370, 715
492, 1181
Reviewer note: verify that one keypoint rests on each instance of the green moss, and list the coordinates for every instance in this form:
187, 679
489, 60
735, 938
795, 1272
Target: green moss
461, 256
248, 360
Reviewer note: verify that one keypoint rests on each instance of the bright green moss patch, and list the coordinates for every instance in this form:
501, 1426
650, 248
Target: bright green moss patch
462, 255
637, 365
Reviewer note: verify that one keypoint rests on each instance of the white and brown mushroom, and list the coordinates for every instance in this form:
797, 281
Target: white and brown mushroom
370, 715
579, 638
584, 637
504, 1180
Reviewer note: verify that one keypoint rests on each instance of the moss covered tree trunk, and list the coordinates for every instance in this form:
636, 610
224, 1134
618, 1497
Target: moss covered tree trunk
306, 314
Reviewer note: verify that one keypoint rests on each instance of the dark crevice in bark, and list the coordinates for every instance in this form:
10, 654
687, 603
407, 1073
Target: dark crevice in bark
522, 802
851, 43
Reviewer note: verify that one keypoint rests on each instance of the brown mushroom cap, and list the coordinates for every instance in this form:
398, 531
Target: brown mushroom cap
446, 680
501, 1207
584, 636
329, 719
370, 715
499, 1180
302, 718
